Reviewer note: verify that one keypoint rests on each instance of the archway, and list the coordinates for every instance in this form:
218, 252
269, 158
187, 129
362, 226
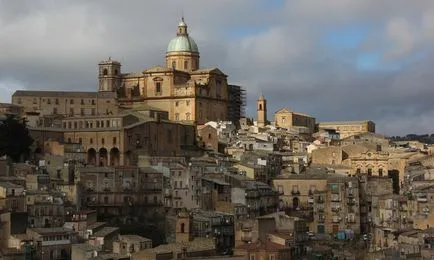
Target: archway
114, 156
103, 155
295, 203
91, 156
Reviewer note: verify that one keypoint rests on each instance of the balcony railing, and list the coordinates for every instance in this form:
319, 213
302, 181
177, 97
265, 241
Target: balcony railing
336, 219
351, 220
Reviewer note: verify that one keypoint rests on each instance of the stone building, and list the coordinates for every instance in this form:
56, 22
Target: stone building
12, 197
52, 243
349, 128
118, 139
128, 244
181, 87
10, 109
123, 193
286, 118
329, 201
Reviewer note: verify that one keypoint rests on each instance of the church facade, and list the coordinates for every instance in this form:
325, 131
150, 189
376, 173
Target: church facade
180, 87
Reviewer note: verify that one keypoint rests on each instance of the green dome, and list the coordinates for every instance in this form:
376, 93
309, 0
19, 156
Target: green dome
182, 43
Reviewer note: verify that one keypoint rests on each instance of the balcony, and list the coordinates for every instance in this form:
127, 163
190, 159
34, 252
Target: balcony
351, 220
335, 198
336, 219
336, 209
320, 200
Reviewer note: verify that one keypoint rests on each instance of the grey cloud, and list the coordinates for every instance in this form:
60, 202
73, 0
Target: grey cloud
57, 45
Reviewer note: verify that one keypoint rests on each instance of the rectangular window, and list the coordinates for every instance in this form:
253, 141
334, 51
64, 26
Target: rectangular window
82, 101
56, 101
82, 111
71, 111
54, 110
158, 87
93, 111
114, 140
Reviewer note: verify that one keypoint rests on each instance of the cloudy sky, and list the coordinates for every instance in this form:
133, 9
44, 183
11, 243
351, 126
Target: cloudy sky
333, 59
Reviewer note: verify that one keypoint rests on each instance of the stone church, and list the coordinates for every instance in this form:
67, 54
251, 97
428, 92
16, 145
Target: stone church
153, 112
181, 87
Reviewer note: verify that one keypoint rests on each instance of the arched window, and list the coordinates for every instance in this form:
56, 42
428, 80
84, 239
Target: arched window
116, 72
105, 72
102, 141
260, 106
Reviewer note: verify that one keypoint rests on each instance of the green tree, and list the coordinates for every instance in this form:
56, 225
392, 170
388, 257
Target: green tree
14, 137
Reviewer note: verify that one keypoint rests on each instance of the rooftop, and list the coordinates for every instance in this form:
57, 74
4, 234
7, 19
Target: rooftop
134, 238
262, 245
345, 122
51, 231
105, 231
9, 185
197, 245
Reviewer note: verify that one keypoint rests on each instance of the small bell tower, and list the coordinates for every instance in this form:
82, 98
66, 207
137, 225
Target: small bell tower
109, 75
261, 111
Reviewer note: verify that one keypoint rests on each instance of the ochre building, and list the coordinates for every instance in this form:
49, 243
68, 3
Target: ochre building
349, 128
180, 87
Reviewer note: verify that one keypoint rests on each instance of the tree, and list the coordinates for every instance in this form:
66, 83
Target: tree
14, 137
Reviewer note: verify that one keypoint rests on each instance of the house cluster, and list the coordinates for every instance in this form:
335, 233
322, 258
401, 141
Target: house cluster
161, 165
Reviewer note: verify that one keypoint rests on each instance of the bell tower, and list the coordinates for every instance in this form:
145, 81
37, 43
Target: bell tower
261, 111
109, 75
183, 227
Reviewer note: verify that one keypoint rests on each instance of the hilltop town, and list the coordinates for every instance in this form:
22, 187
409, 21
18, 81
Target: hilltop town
164, 164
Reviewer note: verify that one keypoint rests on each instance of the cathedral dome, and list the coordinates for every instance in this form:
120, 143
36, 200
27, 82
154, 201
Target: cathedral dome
182, 43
